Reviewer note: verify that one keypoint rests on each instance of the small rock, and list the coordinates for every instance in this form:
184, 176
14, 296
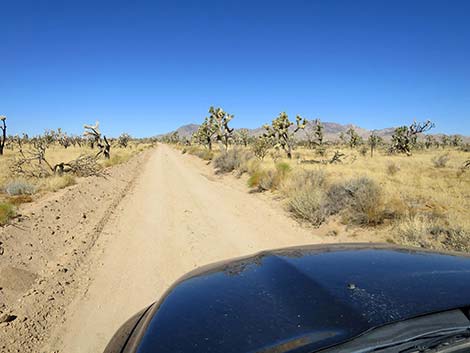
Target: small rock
7, 318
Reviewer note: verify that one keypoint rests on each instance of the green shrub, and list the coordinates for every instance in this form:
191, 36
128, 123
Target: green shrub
7, 211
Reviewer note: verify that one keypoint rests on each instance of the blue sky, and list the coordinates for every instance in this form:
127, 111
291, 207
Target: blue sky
147, 67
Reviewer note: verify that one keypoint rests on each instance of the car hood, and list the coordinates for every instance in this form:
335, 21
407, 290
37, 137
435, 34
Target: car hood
304, 299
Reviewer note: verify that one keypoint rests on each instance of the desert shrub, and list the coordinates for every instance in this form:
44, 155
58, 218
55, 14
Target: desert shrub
255, 177
415, 231
311, 178
308, 203
266, 180
440, 161
392, 168
363, 150
7, 211
20, 187
228, 161
269, 179
457, 238
424, 231
465, 147
306, 198
205, 154
359, 200
235, 159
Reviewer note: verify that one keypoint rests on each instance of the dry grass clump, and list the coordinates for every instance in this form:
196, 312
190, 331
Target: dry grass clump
202, 153
117, 158
7, 211
392, 168
56, 183
440, 161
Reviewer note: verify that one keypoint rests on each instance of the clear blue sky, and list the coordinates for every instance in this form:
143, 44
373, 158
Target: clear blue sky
147, 67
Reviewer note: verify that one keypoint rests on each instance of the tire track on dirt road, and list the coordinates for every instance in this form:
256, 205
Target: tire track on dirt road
173, 220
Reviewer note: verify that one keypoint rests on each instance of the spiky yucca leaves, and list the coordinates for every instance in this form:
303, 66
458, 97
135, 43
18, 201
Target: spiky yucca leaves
281, 135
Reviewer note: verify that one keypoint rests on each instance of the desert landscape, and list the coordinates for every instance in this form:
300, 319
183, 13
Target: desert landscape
85, 218
157, 159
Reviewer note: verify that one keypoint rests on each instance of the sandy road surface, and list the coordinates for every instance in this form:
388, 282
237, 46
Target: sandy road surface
175, 219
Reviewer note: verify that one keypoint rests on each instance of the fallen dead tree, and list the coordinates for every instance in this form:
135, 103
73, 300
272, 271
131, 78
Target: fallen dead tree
33, 163
337, 158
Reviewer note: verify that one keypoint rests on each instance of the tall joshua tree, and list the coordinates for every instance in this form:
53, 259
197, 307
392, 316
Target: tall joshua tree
281, 134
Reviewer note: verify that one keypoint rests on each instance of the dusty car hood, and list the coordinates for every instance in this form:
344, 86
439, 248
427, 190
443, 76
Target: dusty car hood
303, 299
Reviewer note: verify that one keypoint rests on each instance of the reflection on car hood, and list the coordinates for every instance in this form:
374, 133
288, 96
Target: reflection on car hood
304, 299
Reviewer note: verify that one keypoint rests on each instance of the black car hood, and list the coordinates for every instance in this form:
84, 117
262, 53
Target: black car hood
303, 299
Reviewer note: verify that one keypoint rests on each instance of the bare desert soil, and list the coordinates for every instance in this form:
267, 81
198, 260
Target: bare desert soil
75, 265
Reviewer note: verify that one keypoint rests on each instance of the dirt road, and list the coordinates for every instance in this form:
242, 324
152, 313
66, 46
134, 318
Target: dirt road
176, 218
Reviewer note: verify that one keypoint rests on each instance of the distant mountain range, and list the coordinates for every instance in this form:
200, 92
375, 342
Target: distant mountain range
331, 131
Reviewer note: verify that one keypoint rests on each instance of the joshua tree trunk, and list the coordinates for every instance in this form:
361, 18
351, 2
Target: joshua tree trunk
4, 135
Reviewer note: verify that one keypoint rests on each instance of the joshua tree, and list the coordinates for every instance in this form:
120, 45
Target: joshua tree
261, 147
374, 140
314, 133
280, 134
242, 136
456, 140
3, 137
220, 120
94, 133
445, 141
354, 138
123, 140
430, 141
405, 137
205, 133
